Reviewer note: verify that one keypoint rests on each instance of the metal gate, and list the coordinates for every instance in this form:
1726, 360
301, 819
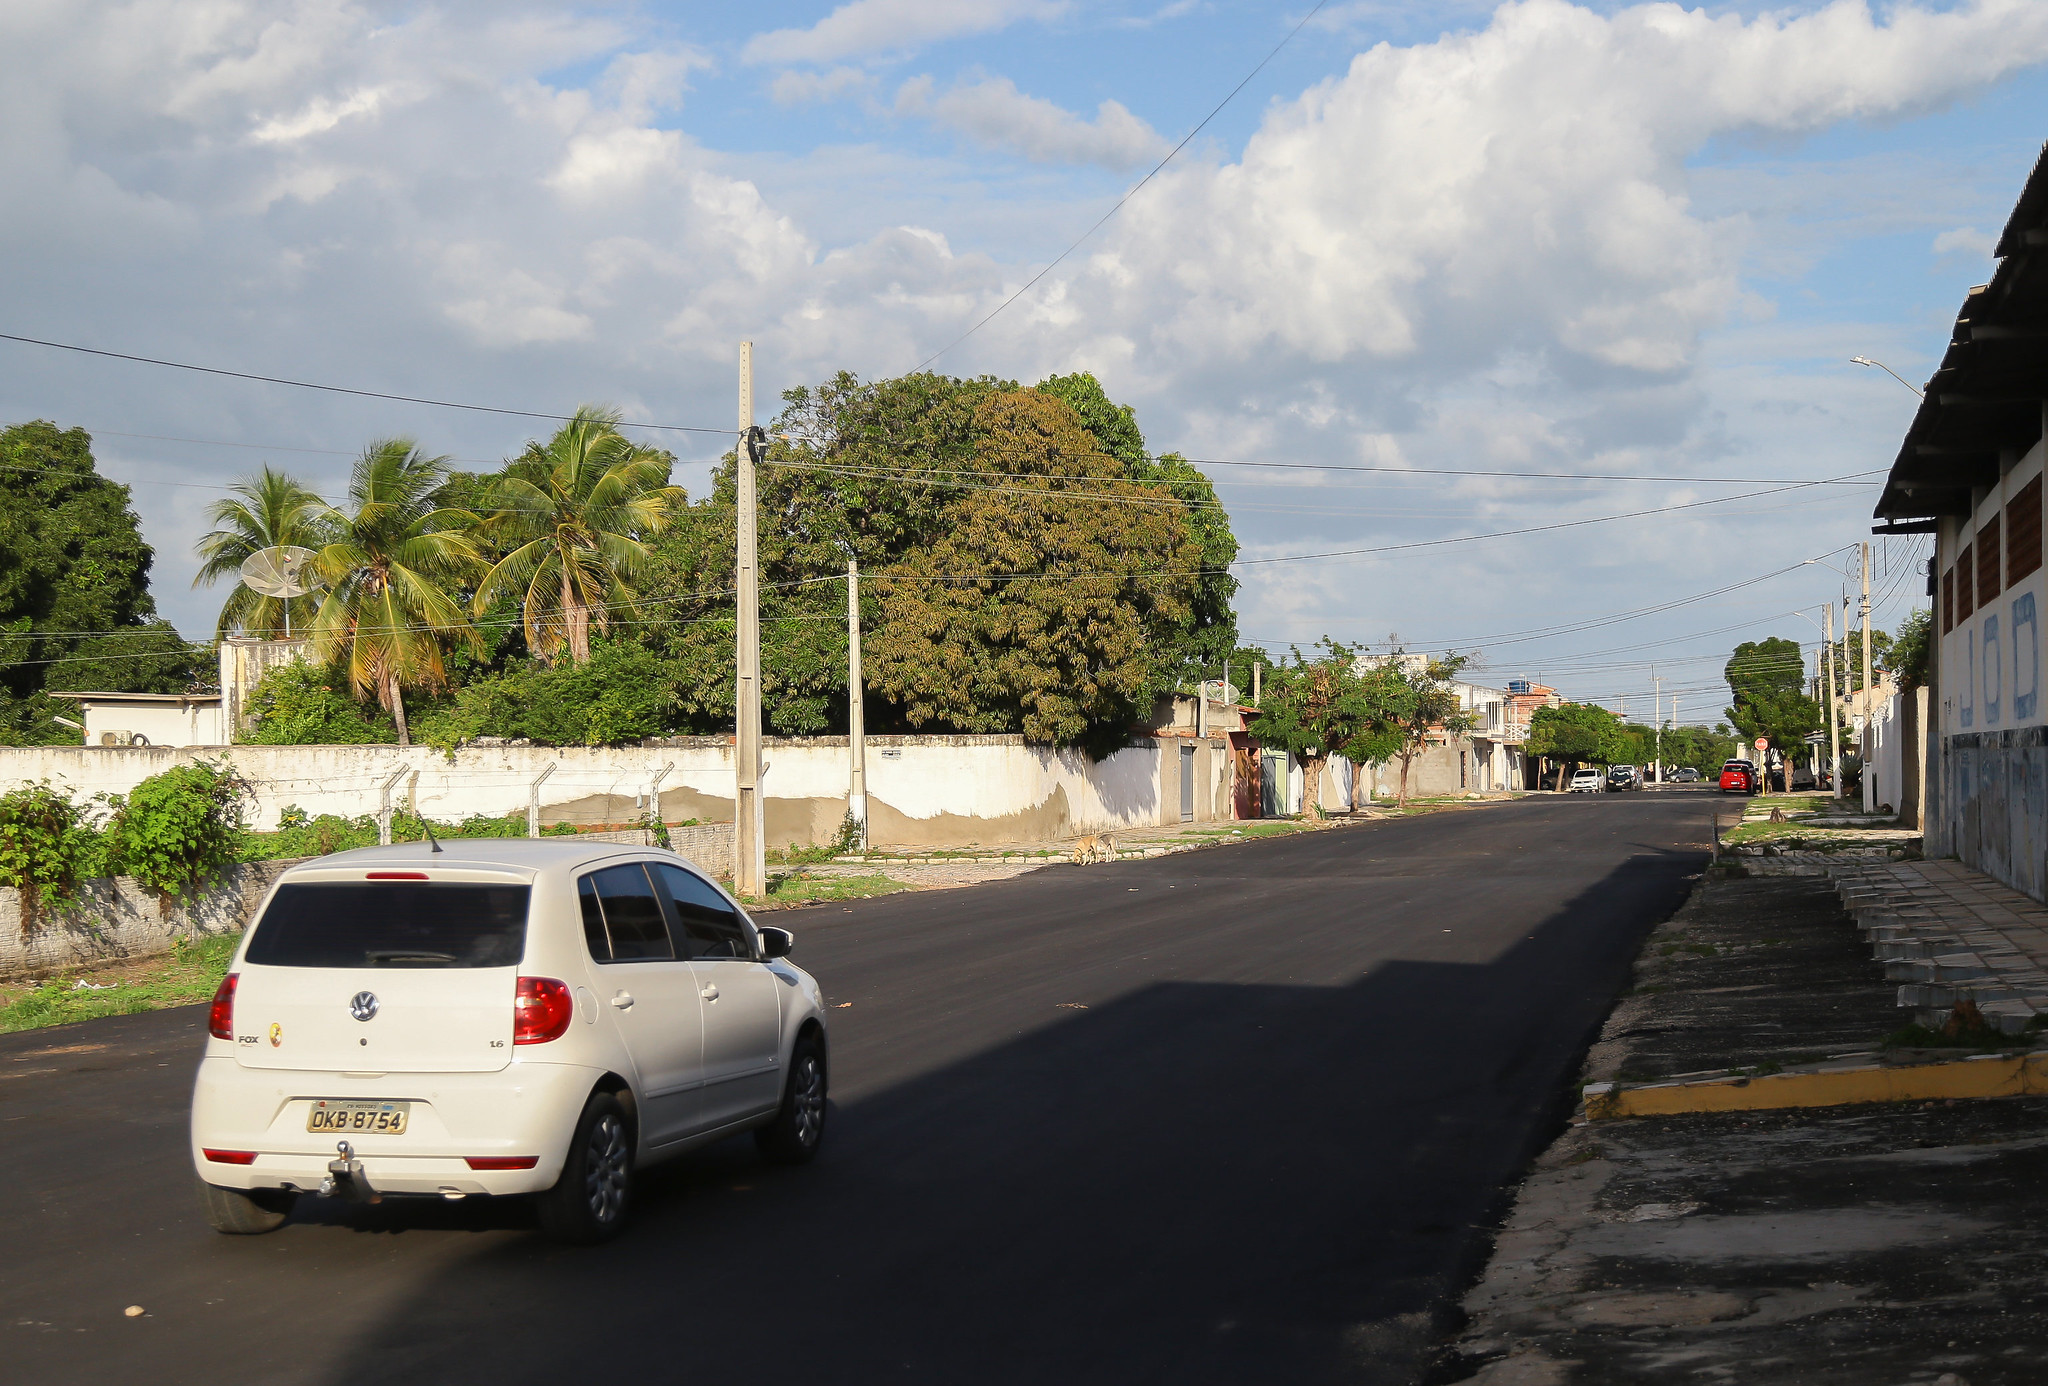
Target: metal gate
1187, 784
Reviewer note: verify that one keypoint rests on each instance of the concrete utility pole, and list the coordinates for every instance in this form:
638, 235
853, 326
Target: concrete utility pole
1863, 747
1256, 667
1827, 638
750, 865
1657, 716
856, 709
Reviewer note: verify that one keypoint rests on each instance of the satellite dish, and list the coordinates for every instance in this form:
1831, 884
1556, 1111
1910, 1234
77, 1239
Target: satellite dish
279, 571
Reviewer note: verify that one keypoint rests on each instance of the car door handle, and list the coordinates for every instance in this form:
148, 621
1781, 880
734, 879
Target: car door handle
710, 993
624, 1000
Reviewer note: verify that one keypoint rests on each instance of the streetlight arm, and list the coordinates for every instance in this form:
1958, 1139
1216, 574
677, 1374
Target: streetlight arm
1866, 361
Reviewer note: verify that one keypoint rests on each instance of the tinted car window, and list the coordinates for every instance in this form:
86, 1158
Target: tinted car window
391, 924
632, 915
712, 928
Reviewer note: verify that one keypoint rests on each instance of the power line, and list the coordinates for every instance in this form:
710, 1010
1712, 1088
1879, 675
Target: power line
335, 389
1138, 187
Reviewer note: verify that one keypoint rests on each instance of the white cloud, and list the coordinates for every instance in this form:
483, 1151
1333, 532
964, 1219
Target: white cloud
1966, 240
1487, 246
644, 83
993, 112
317, 117
799, 88
865, 27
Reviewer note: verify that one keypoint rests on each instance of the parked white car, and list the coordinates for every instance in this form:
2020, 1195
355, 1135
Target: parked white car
500, 1017
1585, 782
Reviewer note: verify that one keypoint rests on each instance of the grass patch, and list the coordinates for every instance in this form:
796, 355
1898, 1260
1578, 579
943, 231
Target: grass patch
790, 889
1698, 950
189, 973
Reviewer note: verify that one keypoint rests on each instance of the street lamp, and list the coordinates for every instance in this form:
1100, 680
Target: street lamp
1866, 361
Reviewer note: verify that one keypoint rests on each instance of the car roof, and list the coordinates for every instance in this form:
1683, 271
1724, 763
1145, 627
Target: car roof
522, 853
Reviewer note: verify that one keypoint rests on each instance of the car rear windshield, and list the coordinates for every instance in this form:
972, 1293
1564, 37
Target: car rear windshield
391, 924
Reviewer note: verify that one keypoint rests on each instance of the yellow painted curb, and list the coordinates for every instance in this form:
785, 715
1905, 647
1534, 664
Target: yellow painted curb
1994, 1075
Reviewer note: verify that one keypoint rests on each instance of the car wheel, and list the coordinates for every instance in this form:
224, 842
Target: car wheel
793, 1137
588, 1203
246, 1212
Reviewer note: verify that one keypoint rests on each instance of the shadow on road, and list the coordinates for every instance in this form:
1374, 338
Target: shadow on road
1195, 1183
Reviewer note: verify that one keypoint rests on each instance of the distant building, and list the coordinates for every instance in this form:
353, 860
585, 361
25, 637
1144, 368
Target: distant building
149, 719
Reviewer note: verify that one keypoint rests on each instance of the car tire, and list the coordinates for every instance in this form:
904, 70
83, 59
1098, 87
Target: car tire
798, 1128
246, 1212
588, 1204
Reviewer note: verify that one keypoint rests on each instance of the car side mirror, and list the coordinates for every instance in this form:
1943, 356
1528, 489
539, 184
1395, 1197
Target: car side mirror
775, 943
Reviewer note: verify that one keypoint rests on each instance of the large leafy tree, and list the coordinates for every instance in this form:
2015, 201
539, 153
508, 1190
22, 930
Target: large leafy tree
1003, 550
1577, 734
1043, 601
267, 510
1332, 705
75, 608
1206, 637
394, 569
574, 516
1767, 678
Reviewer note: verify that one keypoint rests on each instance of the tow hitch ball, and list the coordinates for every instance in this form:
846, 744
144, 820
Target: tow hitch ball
345, 1178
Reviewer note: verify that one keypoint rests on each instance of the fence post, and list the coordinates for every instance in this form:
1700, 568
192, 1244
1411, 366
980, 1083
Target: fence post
384, 805
654, 798
533, 801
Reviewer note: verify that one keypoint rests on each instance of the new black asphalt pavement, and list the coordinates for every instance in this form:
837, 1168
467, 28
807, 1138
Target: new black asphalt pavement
1242, 1115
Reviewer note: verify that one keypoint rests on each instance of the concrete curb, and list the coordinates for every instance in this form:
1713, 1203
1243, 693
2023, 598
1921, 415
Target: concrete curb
1988, 1075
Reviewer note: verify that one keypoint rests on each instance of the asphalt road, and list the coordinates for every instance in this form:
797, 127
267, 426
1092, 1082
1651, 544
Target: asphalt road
1241, 1115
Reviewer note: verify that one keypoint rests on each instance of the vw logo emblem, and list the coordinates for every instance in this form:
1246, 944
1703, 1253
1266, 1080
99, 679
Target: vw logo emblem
363, 1005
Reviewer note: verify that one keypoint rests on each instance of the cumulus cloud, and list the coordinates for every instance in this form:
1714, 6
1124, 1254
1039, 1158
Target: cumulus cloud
865, 27
1483, 246
1966, 240
994, 113
799, 88
1523, 186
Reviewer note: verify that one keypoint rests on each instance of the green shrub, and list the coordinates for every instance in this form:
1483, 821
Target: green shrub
300, 704
47, 846
299, 836
176, 831
615, 699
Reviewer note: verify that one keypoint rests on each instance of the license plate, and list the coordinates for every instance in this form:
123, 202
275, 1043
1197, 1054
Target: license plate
365, 1118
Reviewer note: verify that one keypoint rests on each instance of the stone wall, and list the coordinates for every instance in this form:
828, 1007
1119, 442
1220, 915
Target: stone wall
120, 918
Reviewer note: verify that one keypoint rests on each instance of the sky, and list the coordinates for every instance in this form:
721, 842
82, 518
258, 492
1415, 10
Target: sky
1639, 241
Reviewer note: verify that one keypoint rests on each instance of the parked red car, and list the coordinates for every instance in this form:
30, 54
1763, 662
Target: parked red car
1738, 777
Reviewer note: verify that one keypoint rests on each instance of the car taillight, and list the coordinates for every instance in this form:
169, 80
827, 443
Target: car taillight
490, 1162
231, 1157
220, 1021
540, 1010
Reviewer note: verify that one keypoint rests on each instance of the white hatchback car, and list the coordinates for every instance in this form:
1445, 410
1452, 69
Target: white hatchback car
498, 1017
1586, 782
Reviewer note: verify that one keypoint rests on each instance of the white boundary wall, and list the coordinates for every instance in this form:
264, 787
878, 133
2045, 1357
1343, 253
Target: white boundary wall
935, 790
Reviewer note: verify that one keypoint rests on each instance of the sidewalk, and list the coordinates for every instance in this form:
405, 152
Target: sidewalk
1878, 1243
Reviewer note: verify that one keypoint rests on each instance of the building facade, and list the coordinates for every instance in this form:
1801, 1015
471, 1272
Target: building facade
1970, 473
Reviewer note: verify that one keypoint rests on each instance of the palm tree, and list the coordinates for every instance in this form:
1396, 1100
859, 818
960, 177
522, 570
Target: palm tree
390, 569
266, 510
573, 514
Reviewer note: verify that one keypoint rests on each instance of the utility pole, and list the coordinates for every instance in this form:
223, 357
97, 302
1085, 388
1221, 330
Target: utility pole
1257, 666
1827, 626
1657, 716
750, 867
856, 708
1863, 744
